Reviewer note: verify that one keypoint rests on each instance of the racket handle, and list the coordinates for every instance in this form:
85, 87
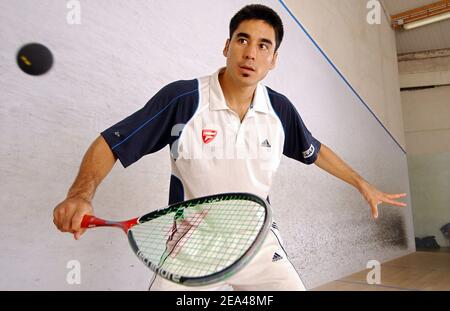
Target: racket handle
90, 221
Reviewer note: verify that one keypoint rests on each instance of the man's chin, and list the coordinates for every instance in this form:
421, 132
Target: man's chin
247, 80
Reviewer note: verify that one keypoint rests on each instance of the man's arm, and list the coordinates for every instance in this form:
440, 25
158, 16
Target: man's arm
97, 163
331, 163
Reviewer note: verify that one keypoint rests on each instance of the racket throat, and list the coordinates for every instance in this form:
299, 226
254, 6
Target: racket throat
124, 225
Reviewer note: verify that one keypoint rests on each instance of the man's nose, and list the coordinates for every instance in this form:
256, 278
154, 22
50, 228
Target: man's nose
250, 52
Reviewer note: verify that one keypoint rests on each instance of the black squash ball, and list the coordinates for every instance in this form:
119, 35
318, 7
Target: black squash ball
34, 59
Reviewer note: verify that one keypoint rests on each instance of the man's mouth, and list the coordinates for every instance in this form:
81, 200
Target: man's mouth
249, 68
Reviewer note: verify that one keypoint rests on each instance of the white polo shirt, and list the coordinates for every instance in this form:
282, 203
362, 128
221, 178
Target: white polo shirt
212, 151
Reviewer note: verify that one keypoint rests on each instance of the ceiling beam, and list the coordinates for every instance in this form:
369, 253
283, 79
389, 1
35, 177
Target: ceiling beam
423, 55
420, 13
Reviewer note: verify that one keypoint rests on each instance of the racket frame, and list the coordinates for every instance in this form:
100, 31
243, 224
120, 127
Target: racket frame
217, 276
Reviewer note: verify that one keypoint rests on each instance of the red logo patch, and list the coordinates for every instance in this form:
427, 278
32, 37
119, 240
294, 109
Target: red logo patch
208, 135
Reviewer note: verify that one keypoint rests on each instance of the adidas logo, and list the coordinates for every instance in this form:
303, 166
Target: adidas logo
266, 143
276, 257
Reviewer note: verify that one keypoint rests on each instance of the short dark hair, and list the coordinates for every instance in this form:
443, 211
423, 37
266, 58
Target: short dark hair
259, 12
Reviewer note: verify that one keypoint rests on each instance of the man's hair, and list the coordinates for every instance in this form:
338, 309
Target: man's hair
259, 12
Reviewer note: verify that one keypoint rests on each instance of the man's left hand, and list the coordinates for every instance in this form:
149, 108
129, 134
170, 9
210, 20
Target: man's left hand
375, 197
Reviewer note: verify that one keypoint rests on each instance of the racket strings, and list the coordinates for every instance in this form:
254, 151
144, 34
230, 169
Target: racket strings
206, 238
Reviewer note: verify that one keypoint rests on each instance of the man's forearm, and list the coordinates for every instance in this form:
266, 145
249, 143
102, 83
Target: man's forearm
331, 163
97, 163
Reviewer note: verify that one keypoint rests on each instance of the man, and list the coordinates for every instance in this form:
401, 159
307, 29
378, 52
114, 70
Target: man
226, 133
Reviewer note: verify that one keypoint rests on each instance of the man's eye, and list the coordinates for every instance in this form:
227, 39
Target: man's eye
241, 40
264, 46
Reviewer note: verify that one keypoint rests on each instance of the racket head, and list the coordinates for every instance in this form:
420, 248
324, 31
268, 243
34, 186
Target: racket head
204, 240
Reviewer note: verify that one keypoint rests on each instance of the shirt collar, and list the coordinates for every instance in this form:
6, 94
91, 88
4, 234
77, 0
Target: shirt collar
217, 99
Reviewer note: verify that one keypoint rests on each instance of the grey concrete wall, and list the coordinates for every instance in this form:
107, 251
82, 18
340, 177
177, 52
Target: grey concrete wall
430, 181
425, 68
427, 128
109, 66
364, 53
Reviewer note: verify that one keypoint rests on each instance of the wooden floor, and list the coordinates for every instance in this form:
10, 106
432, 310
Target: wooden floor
422, 270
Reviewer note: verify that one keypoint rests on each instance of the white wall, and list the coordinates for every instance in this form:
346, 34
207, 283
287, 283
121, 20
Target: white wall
108, 67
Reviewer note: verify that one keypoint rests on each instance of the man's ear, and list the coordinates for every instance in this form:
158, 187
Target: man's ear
225, 49
274, 60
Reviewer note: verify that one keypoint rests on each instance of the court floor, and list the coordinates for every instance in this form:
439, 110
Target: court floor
419, 271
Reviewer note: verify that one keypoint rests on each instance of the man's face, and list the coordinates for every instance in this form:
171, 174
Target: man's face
250, 52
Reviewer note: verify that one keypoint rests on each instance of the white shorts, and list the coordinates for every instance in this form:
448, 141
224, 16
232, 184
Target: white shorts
270, 269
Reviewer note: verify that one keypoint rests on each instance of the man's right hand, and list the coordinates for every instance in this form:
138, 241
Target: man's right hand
68, 214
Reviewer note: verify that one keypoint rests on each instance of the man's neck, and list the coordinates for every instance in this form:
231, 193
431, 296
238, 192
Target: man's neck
238, 98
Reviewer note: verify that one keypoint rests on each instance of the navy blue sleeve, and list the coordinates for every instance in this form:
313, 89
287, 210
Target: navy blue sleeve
299, 144
149, 129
